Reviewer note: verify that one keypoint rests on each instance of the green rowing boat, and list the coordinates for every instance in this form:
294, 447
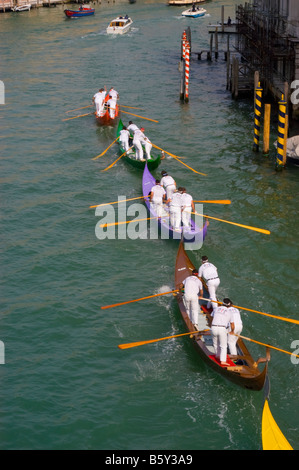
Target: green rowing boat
130, 157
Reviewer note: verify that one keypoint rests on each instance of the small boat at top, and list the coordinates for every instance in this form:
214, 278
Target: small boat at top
292, 149
181, 3
244, 371
84, 10
194, 12
193, 237
105, 117
130, 156
120, 25
25, 7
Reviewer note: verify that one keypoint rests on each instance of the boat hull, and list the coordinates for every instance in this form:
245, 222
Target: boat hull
153, 163
194, 14
78, 13
193, 238
245, 375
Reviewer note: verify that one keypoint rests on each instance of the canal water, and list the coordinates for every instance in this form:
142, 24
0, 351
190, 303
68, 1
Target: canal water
65, 383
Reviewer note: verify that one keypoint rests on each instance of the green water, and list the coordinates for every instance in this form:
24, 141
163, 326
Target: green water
65, 383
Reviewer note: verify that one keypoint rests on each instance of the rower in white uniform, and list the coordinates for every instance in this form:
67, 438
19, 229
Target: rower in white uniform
175, 209
209, 273
113, 93
111, 104
187, 208
192, 288
157, 197
232, 339
169, 184
222, 319
124, 138
99, 100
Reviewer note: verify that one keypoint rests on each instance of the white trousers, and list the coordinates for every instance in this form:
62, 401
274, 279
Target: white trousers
186, 216
147, 147
175, 217
192, 308
125, 144
157, 208
232, 340
212, 286
170, 189
99, 106
138, 148
112, 111
219, 336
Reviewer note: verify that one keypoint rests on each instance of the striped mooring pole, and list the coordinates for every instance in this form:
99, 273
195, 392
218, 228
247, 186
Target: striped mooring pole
281, 139
257, 117
187, 71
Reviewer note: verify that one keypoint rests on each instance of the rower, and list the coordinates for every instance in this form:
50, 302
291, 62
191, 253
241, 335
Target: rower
157, 197
222, 318
169, 183
232, 339
124, 138
98, 100
147, 144
111, 104
209, 273
113, 93
192, 286
187, 207
175, 209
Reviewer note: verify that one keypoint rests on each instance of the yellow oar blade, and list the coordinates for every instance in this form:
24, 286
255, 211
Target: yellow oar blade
77, 109
220, 201
248, 227
272, 437
267, 345
76, 117
112, 164
141, 343
142, 117
112, 224
290, 320
177, 158
103, 153
137, 300
117, 202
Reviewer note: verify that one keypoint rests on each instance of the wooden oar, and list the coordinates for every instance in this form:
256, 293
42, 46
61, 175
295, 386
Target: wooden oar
260, 313
177, 158
77, 109
144, 197
116, 202
103, 153
131, 107
112, 224
220, 201
141, 343
137, 300
75, 117
112, 164
142, 117
248, 227
267, 345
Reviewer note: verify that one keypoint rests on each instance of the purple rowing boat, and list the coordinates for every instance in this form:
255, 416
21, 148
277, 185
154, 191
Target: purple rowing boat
193, 238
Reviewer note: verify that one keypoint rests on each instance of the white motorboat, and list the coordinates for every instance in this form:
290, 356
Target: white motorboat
120, 25
194, 12
25, 7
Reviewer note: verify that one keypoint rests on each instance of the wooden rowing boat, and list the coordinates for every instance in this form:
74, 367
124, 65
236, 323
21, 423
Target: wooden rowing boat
79, 13
130, 157
105, 118
193, 238
244, 372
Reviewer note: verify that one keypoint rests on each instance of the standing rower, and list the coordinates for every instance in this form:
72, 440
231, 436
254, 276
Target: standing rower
210, 275
169, 184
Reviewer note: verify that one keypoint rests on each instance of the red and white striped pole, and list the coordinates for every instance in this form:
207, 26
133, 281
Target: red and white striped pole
187, 71
184, 39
